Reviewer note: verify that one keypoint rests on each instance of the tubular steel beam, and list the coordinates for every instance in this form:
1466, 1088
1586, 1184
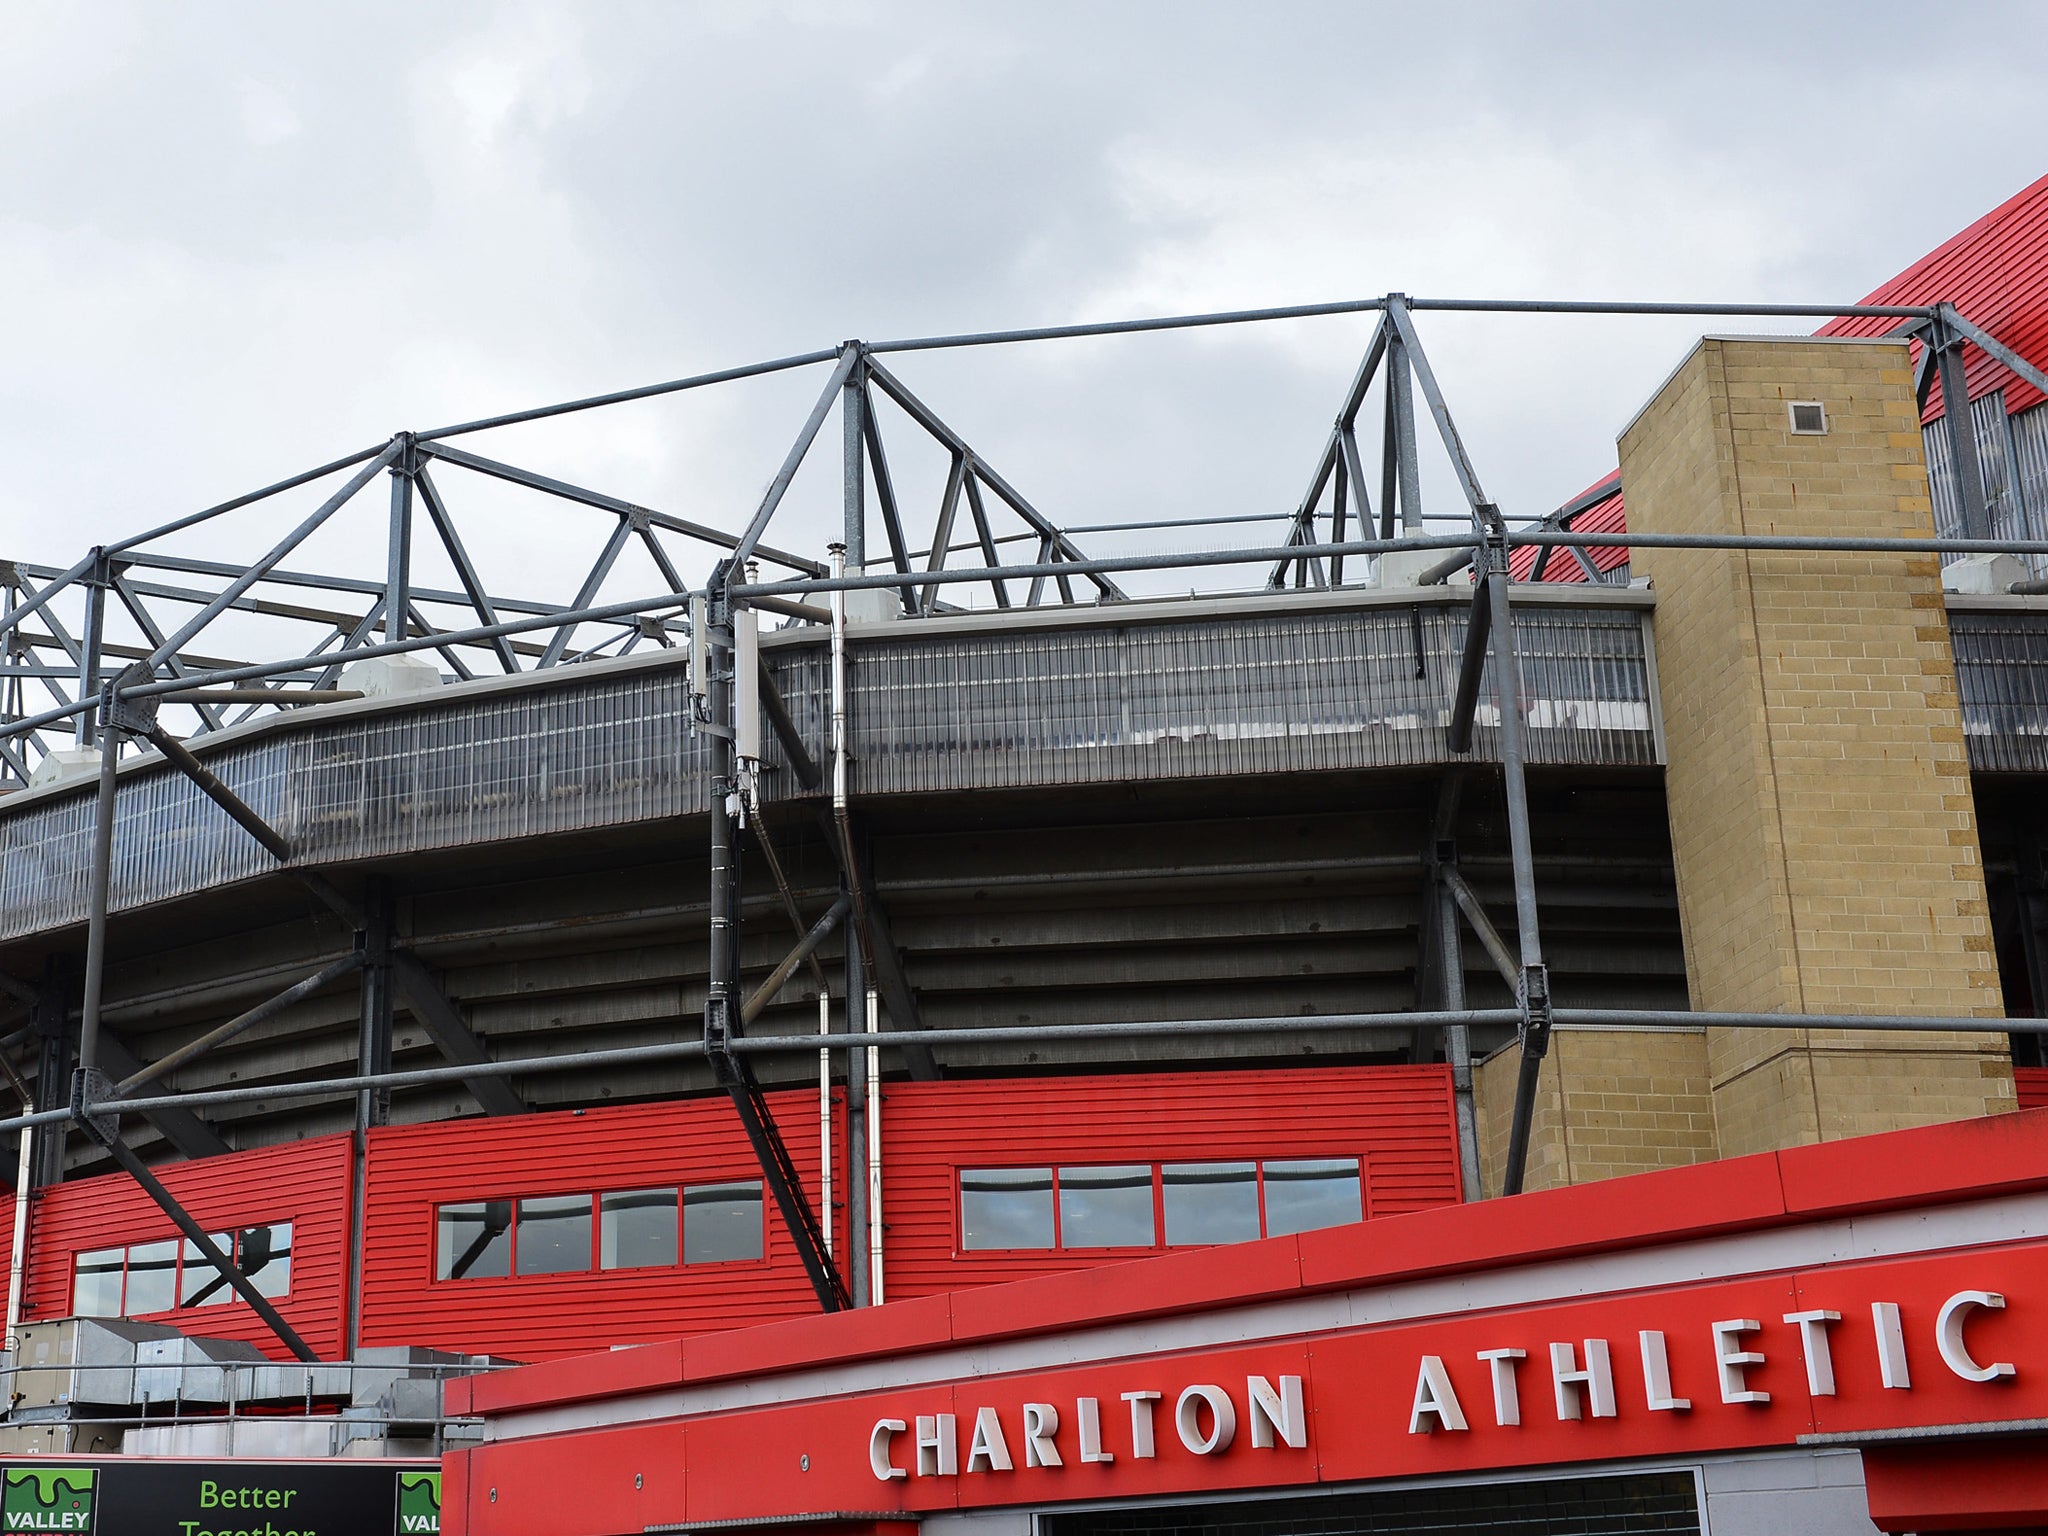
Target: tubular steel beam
1962, 435
269, 1008
819, 931
743, 549
878, 947
1532, 992
185, 1131
801, 763
283, 547
604, 503
1490, 940
1471, 666
465, 570
1248, 1028
199, 1237
445, 1026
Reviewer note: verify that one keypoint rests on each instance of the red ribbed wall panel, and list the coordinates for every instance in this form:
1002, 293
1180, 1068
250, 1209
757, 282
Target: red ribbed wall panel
415, 1168
2032, 1083
1397, 1120
305, 1183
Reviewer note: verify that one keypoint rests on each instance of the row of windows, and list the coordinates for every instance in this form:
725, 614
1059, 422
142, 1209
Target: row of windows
571, 1234
1128, 1205
171, 1274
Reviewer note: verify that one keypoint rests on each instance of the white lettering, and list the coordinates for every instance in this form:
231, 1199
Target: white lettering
884, 1431
1733, 1362
938, 1445
1435, 1398
1141, 1423
988, 1451
1597, 1378
1657, 1373
1088, 1426
1813, 1342
1948, 1334
1891, 1345
1187, 1419
1278, 1412
1041, 1423
1507, 1398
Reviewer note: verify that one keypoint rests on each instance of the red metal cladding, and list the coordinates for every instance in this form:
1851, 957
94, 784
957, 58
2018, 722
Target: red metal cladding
2032, 1083
1995, 272
1396, 1120
413, 1169
304, 1183
1602, 517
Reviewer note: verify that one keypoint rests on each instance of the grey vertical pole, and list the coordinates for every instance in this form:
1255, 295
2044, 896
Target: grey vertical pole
89, 647
1458, 1039
857, 1216
398, 546
856, 536
373, 1105
1962, 435
1534, 1000
96, 912
1401, 395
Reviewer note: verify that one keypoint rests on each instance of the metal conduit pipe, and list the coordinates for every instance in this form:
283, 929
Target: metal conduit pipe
267, 1009
1596, 1018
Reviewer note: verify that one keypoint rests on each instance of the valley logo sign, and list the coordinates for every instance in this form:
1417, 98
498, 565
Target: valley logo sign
47, 1499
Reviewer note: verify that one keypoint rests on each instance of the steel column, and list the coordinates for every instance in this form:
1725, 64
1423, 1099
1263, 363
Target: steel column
1962, 434
92, 639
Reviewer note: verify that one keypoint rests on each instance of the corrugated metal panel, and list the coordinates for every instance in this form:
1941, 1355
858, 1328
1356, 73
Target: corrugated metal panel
1397, 1120
305, 1183
1260, 693
2032, 1083
1996, 273
2002, 677
532, 1317
590, 752
1358, 688
1602, 517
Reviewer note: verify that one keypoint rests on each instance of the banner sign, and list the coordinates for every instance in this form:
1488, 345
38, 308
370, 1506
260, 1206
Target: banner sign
151, 1497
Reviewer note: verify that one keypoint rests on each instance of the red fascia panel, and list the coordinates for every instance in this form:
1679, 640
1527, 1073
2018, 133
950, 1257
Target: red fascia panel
2032, 1083
304, 1182
1931, 1165
1958, 1485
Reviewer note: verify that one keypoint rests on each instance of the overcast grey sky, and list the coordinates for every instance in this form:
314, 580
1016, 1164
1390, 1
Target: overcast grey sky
239, 239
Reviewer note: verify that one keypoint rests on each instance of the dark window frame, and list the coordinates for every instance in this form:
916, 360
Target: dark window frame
187, 1262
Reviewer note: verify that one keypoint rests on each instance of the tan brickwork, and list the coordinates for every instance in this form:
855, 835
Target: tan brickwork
1821, 817
1609, 1102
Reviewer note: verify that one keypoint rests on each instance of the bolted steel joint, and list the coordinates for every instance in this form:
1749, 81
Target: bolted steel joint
90, 1086
1532, 998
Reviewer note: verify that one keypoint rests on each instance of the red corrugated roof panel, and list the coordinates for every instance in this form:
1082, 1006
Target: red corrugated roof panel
1995, 272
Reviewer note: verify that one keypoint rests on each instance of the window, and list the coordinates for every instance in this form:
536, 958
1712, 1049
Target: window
617, 1229
637, 1229
199, 1283
554, 1235
1107, 1207
474, 1241
171, 1274
721, 1223
1151, 1205
1312, 1192
1210, 1203
1006, 1208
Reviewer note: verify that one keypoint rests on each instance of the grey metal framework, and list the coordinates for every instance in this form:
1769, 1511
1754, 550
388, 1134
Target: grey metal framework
1082, 698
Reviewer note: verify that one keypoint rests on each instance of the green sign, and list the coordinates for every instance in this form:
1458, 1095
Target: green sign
419, 1502
48, 1499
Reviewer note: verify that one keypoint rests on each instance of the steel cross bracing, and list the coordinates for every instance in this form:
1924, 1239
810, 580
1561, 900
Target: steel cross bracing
67, 672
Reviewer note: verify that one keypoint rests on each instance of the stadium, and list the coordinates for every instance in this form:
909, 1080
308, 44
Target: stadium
1097, 991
